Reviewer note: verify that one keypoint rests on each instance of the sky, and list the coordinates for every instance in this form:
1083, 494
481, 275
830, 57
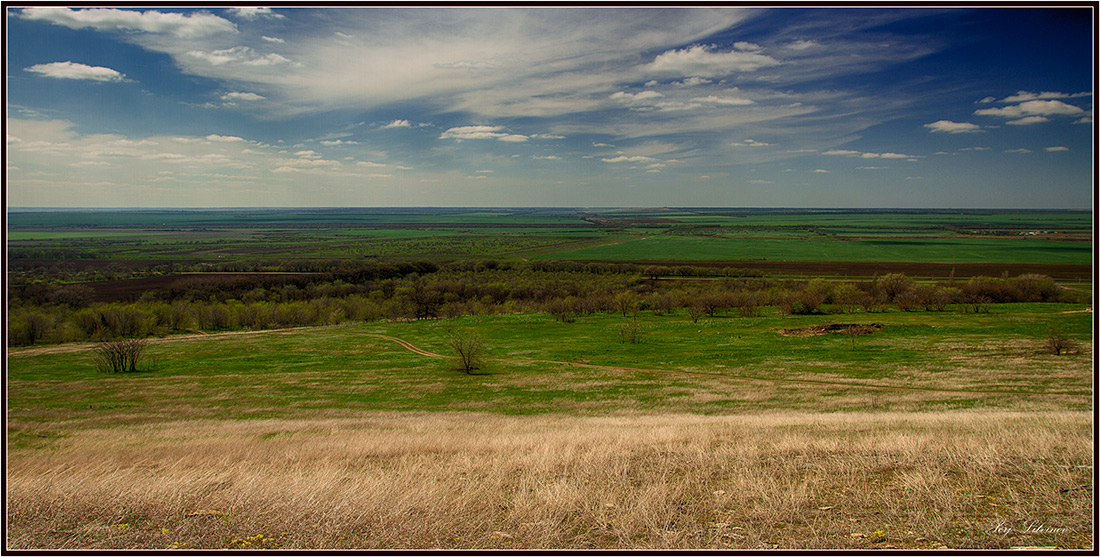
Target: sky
907, 107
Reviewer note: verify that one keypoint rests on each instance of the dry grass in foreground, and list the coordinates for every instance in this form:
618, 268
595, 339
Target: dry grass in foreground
462, 480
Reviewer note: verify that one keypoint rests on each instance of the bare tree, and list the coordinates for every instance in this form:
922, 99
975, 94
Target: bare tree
120, 356
469, 346
1058, 341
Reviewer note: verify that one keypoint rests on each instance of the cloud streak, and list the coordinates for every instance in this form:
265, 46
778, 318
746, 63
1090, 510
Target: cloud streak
72, 70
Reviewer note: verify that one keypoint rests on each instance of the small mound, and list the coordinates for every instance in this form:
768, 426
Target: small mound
844, 328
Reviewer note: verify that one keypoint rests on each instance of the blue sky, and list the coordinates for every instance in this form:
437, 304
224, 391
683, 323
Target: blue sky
612, 106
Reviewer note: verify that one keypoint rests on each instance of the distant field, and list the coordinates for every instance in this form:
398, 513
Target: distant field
832, 249
272, 235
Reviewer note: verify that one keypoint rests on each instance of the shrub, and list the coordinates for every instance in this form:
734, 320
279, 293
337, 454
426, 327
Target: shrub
120, 356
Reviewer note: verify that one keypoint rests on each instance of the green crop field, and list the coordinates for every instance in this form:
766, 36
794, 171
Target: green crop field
832, 249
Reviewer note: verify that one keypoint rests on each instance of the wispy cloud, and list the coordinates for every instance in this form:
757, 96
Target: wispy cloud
1029, 96
72, 70
708, 61
242, 96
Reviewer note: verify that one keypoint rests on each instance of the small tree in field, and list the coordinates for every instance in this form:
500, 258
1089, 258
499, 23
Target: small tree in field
1058, 341
469, 347
695, 311
120, 356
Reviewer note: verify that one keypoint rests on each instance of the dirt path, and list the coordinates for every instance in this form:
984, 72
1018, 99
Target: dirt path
413, 348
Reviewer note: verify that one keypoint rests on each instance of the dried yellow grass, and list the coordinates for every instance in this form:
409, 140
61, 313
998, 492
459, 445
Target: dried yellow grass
467, 480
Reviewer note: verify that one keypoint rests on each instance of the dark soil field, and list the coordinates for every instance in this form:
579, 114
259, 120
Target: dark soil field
1059, 271
131, 289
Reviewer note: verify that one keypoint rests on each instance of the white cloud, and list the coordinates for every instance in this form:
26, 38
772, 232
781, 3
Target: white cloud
482, 132
1032, 108
1084, 120
624, 158
821, 171
465, 65
198, 24
1018, 151
1029, 96
397, 124
335, 142
729, 101
1028, 120
860, 154
634, 98
370, 164
752, 143
704, 61
276, 40
238, 55
224, 138
546, 157
689, 82
986, 100
975, 149
1057, 148
802, 45
948, 126
255, 13
241, 96
72, 70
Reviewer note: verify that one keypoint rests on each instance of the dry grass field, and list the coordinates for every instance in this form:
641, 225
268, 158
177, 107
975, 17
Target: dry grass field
959, 479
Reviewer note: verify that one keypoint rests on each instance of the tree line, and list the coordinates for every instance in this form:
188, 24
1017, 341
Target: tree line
40, 313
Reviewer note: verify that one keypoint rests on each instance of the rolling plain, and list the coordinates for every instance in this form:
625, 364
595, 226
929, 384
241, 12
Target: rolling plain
648, 379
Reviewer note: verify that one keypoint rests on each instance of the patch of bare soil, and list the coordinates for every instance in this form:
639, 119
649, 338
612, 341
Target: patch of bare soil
844, 328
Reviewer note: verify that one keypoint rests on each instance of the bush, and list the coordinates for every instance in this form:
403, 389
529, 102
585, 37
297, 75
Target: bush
120, 356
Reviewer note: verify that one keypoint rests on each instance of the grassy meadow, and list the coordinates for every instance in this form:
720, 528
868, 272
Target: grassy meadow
934, 431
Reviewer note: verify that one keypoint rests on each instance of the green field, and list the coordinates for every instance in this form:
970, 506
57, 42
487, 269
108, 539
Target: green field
265, 236
933, 360
834, 249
